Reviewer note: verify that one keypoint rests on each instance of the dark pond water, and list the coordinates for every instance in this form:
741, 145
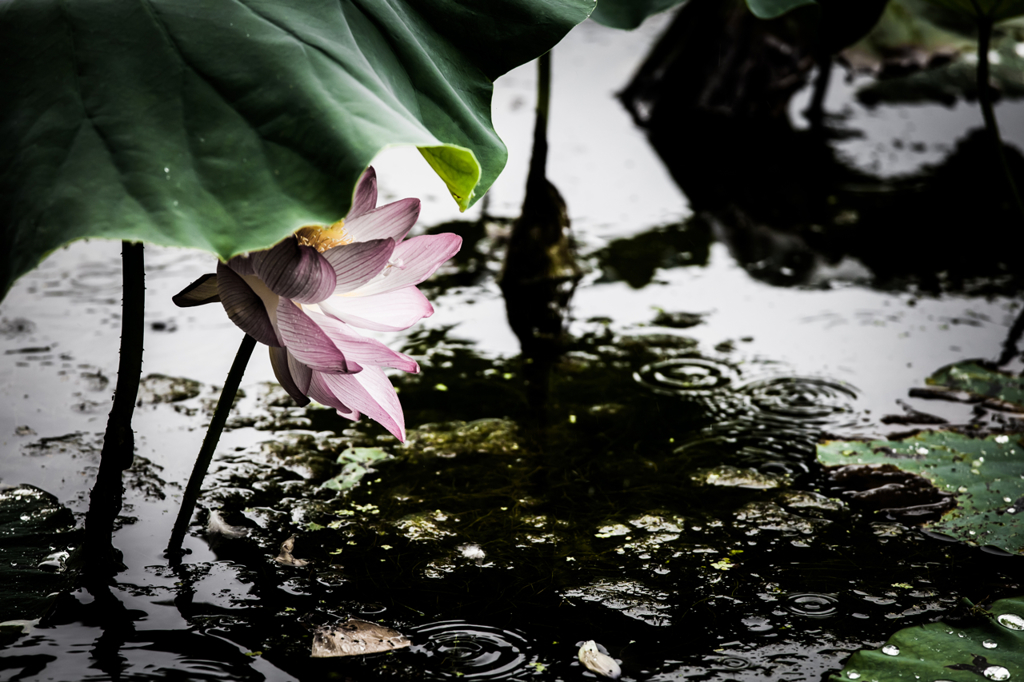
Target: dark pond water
664, 501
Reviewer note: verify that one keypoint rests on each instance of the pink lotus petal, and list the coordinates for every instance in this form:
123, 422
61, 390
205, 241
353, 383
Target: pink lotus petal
361, 349
392, 221
371, 393
357, 263
295, 271
366, 194
279, 361
320, 392
308, 342
200, 292
389, 312
413, 261
244, 306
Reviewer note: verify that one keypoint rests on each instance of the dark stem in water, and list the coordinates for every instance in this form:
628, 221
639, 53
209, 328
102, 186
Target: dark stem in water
985, 100
1010, 345
539, 158
220, 416
540, 270
119, 439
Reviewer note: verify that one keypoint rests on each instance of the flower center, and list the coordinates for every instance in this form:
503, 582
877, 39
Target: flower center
322, 237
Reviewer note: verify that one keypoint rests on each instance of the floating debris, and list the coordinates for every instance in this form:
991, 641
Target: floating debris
285, 557
216, 525
355, 638
596, 661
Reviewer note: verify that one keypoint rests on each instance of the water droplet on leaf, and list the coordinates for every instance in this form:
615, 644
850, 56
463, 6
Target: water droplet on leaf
1011, 621
996, 672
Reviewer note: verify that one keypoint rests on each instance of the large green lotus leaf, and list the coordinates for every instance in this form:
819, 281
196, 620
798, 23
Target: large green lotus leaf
770, 9
986, 475
979, 380
628, 14
996, 10
37, 535
991, 650
227, 125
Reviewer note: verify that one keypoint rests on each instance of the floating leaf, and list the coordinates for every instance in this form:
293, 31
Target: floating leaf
226, 126
628, 14
37, 536
981, 381
993, 650
356, 638
597, 661
365, 456
356, 464
986, 476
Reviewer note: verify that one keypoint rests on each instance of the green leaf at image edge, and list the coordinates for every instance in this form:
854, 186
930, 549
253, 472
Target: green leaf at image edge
927, 652
628, 14
975, 378
226, 126
985, 475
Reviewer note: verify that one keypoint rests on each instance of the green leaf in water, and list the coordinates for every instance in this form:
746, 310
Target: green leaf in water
991, 650
365, 456
227, 126
979, 380
356, 464
986, 476
37, 537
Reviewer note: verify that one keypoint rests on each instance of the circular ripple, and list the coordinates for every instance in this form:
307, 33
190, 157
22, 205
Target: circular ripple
771, 448
810, 605
686, 376
800, 401
474, 652
729, 662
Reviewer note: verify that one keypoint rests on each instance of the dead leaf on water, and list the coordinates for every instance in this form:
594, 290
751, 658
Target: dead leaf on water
594, 660
285, 557
356, 638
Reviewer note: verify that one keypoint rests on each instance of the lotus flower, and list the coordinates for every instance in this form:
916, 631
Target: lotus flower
307, 297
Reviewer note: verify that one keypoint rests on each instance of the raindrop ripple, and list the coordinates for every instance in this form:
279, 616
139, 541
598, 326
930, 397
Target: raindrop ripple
472, 652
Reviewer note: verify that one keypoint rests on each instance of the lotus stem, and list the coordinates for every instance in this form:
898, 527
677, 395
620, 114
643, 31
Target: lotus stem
538, 161
220, 417
119, 439
985, 100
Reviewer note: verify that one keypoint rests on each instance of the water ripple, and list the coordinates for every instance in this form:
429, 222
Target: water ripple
473, 652
800, 401
811, 605
687, 376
